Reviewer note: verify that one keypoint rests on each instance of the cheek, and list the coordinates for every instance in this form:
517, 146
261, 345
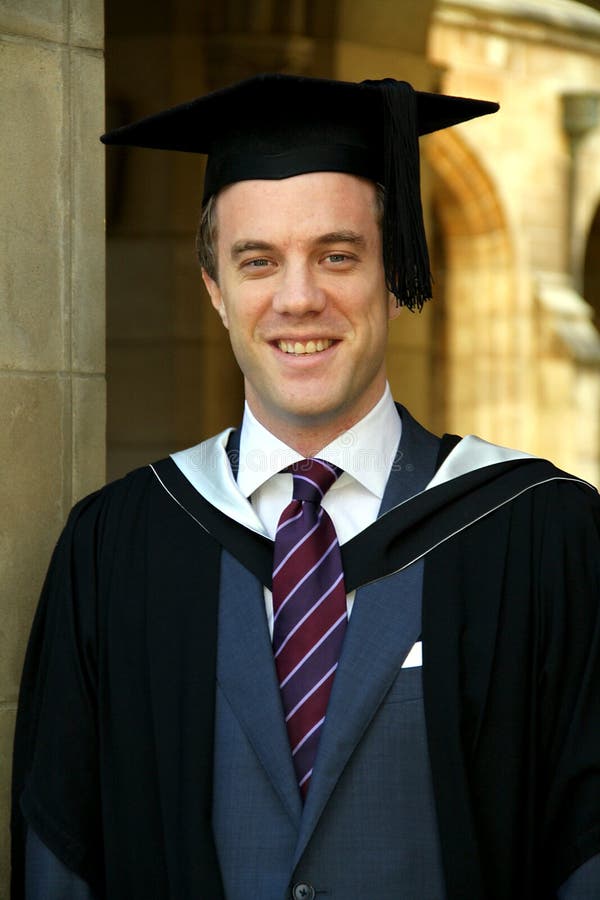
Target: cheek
394, 308
379, 319
240, 334
248, 316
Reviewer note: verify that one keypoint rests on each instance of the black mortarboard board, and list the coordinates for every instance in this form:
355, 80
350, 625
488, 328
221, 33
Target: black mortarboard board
274, 126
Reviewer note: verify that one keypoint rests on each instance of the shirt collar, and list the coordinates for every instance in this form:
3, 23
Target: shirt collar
365, 452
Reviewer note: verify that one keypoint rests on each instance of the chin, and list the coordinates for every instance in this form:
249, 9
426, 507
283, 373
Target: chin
311, 415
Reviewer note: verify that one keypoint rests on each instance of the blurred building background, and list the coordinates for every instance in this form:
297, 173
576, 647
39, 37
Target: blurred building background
509, 349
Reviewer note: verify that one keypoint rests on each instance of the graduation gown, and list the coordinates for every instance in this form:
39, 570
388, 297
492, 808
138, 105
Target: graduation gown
114, 741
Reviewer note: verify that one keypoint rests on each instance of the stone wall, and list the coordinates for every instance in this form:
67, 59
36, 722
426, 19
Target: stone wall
523, 355
52, 398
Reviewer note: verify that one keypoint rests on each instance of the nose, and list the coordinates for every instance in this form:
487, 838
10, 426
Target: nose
298, 292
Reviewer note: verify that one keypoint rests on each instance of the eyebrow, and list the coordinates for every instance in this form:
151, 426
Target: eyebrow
332, 237
241, 247
341, 237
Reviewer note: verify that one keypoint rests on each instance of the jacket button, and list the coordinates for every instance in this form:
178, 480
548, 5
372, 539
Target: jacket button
303, 891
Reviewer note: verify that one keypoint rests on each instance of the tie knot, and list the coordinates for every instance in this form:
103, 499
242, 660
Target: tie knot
313, 478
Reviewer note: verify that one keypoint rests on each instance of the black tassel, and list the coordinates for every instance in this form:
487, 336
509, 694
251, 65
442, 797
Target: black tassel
405, 254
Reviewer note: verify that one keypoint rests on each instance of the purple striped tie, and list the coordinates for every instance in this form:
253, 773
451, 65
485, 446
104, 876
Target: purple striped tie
309, 607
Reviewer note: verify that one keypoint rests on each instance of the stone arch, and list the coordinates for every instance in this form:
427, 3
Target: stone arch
591, 267
585, 203
476, 368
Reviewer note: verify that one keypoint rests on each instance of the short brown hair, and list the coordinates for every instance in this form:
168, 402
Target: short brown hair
206, 238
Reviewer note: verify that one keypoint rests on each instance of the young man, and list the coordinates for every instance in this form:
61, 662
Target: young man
328, 654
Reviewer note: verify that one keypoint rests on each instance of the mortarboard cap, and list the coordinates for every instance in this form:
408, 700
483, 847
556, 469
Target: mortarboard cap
275, 126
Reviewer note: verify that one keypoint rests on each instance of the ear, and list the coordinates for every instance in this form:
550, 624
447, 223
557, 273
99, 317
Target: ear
394, 307
216, 297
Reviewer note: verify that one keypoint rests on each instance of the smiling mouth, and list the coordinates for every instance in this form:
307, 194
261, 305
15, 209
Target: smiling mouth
298, 348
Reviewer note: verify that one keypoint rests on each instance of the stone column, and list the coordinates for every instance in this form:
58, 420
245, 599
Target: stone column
52, 405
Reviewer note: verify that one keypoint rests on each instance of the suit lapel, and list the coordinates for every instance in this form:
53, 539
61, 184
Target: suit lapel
246, 675
385, 623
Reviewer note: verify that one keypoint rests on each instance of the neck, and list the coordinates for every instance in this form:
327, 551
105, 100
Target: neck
308, 438
309, 442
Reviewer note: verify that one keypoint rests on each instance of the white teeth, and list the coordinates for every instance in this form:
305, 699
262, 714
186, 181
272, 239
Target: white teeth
298, 348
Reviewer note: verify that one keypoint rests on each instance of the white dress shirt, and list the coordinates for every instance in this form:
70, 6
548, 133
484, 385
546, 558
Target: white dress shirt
365, 453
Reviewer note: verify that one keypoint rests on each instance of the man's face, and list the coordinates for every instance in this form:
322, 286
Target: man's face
301, 289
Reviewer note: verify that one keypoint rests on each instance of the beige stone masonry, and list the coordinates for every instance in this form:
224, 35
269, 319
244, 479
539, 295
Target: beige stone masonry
52, 394
527, 342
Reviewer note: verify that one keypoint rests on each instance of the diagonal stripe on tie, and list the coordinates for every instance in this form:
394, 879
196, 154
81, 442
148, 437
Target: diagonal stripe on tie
304, 618
306, 697
330, 635
299, 544
317, 664
304, 599
309, 605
